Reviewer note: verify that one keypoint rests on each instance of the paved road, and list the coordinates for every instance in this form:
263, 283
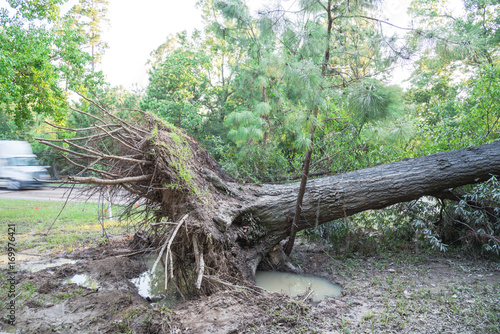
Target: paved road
48, 193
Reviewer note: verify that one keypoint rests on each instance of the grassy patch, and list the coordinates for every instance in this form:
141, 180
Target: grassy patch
36, 224
396, 292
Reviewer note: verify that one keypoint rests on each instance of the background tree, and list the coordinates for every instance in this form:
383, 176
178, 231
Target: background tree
179, 83
89, 17
28, 76
454, 81
41, 56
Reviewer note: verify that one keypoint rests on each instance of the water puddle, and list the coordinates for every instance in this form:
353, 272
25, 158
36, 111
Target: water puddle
34, 266
9, 329
4, 259
296, 285
35, 263
152, 286
85, 281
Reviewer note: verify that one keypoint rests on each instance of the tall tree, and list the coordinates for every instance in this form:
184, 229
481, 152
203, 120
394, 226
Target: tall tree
454, 82
28, 76
326, 47
89, 17
221, 230
40, 56
179, 83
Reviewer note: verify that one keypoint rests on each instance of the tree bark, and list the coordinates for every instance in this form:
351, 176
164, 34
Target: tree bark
343, 195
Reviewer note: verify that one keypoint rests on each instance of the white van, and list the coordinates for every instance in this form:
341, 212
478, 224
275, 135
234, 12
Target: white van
19, 167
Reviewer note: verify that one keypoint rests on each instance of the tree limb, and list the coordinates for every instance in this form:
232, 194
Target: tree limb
95, 180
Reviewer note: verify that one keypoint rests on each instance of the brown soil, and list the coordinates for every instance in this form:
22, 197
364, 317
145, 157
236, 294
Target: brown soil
389, 293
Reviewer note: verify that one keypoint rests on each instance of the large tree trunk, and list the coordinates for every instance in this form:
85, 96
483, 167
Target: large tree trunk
343, 195
229, 228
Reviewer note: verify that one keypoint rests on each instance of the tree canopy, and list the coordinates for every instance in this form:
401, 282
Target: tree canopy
41, 57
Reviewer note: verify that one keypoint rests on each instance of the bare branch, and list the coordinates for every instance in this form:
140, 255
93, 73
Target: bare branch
86, 168
97, 154
92, 101
88, 114
133, 190
118, 139
80, 129
43, 141
91, 137
95, 180
130, 126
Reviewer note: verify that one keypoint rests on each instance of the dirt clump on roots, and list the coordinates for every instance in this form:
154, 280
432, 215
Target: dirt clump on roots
180, 198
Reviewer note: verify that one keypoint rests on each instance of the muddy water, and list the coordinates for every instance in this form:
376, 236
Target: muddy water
34, 266
153, 285
85, 280
296, 285
35, 263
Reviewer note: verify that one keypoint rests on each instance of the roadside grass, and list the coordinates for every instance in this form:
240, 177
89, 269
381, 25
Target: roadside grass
76, 225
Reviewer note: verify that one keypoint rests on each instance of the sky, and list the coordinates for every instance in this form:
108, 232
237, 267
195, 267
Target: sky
136, 30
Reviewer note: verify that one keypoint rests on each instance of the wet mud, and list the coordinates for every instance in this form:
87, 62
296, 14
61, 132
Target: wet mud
379, 294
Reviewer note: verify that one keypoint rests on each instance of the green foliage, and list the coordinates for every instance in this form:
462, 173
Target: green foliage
480, 122
371, 101
465, 114
172, 99
9, 130
28, 78
369, 232
478, 217
293, 66
179, 84
254, 163
36, 10
469, 35
246, 127
40, 54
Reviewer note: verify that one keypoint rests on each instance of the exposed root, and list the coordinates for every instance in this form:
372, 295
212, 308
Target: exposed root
168, 244
173, 190
200, 263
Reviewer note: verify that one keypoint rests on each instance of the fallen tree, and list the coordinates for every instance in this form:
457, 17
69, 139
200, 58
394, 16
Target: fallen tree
212, 232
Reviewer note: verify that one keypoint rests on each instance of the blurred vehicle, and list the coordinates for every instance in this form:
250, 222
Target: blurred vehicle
19, 167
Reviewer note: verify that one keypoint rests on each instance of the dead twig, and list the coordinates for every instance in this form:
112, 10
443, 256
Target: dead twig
113, 157
90, 137
80, 129
309, 293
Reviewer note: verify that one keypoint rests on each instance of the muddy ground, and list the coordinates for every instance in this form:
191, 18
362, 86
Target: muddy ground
408, 292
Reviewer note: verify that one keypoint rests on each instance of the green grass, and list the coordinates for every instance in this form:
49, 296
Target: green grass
36, 224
